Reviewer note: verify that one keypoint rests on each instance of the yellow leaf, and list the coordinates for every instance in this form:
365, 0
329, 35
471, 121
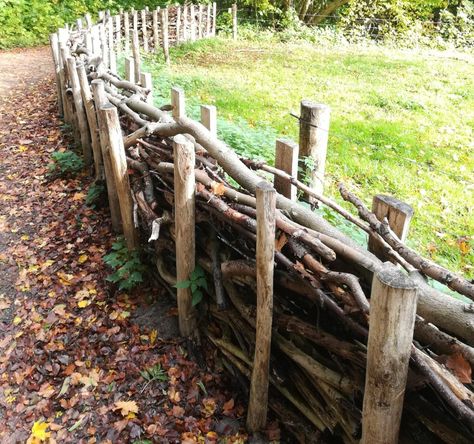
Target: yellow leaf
126, 407
22, 148
84, 303
82, 258
17, 320
78, 196
25, 237
39, 430
217, 188
153, 336
131, 415
65, 278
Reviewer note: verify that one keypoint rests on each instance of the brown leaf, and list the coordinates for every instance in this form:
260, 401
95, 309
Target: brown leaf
217, 188
460, 367
126, 407
281, 241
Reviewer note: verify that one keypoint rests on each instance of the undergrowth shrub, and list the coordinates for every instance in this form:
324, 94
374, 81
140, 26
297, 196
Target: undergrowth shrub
65, 163
127, 266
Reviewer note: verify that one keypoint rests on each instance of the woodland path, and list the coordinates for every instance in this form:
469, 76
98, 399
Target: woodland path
71, 359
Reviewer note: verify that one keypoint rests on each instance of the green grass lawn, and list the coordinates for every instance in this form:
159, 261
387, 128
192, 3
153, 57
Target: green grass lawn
401, 122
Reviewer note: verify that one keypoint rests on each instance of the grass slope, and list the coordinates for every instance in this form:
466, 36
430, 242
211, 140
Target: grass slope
401, 123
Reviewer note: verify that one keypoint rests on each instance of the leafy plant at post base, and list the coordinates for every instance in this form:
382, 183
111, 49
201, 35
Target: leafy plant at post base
155, 373
65, 162
127, 265
197, 282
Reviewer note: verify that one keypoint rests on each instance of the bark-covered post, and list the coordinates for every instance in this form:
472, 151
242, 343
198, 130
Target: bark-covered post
135, 20
118, 33
126, 27
88, 42
156, 36
79, 24
164, 34
103, 44
209, 118
92, 120
286, 159
178, 23
258, 402
110, 33
214, 16
178, 103
100, 99
392, 319
208, 20
53, 39
184, 187
144, 30
147, 82
62, 37
109, 115
88, 20
136, 55
68, 102
199, 26
112, 60
192, 13
398, 215
234, 21
185, 24
130, 69
313, 141
95, 35
80, 111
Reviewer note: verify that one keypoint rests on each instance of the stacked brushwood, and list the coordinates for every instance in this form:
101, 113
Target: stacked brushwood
322, 283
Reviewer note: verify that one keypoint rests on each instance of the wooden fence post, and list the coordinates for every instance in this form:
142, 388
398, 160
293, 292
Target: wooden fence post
147, 82
209, 118
103, 45
53, 39
178, 103
88, 20
185, 23
313, 141
208, 20
178, 24
258, 402
135, 20
398, 214
80, 112
184, 186
68, 95
136, 55
286, 159
214, 16
126, 26
199, 27
192, 13
88, 41
109, 115
392, 319
164, 34
91, 119
118, 33
234, 21
112, 60
79, 24
100, 99
130, 69
156, 36
144, 31
110, 29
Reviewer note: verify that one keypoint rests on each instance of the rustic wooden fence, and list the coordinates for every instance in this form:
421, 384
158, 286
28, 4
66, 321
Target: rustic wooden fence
271, 284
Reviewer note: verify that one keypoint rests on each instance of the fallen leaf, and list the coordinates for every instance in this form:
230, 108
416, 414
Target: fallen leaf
84, 303
38, 431
217, 188
126, 407
461, 368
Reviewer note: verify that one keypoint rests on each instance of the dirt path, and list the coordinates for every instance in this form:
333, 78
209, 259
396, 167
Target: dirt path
29, 65
74, 367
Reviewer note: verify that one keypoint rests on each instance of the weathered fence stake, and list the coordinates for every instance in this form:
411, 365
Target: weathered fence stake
265, 250
88, 20
286, 159
92, 120
79, 24
118, 34
80, 112
209, 118
147, 82
144, 31
126, 25
53, 39
130, 69
156, 36
100, 99
193, 22
392, 319
112, 60
135, 20
199, 26
313, 141
184, 186
234, 21
214, 16
164, 34
103, 44
208, 20
178, 103
398, 214
178, 24
136, 55
185, 23
109, 115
